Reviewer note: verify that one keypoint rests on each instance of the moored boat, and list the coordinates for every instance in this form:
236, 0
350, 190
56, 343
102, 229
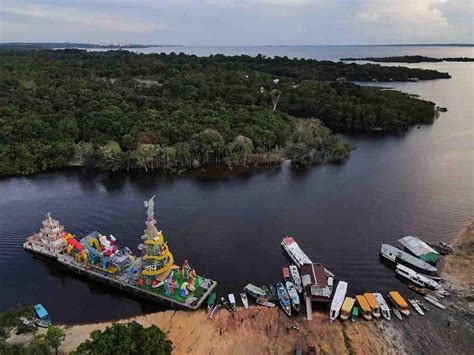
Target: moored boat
354, 313
211, 301
419, 279
400, 257
215, 310
384, 308
262, 301
273, 292
434, 301
254, 291
284, 298
419, 249
294, 298
347, 307
42, 317
232, 302
374, 305
399, 302
294, 252
226, 304
245, 300
338, 300
267, 292
364, 307
295, 276
286, 273
423, 306
397, 313
423, 291
416, 306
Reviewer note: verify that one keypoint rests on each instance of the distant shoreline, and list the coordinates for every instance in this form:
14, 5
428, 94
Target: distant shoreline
410, 59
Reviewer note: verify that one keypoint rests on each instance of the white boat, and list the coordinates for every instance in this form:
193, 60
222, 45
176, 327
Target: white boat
400, 257
295, 276
419, 279
262, 301
330, 283
254, 291
215, 310
416, 306
294, 298
384, 308
245, 300
338, 300
434, 301
397, 313
294, 252
232, 303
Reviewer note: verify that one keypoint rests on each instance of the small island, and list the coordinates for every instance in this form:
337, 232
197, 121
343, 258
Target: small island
113, 110
410, 59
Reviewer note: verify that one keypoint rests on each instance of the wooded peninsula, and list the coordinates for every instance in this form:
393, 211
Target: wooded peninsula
122, 110
410, 59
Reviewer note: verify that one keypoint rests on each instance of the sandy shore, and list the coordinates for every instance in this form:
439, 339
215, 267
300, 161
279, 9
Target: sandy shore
268, 331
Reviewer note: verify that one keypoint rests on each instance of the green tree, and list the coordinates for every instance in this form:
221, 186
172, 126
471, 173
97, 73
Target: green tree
54, 337
131, 339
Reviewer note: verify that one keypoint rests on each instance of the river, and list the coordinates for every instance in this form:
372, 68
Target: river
229, 224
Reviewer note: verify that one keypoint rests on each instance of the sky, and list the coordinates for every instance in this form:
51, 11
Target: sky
238, 22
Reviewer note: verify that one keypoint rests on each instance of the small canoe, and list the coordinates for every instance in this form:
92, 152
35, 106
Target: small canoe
226, 304
267, 292
284, 298
355, 313
422, 305
434, 301
245, 300
273, 292
294, 298
232, 302
416, 306
397, 313
215, 310
211, 302
262, 301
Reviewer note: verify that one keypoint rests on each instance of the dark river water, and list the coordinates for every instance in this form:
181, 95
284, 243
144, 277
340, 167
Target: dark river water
229, 224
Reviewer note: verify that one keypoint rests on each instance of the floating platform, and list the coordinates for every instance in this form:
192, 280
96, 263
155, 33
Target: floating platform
123, 283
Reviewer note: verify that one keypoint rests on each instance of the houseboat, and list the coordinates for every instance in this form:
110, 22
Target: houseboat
374, 305
420, 249
364, 307
419, 279
399, 302
398, 256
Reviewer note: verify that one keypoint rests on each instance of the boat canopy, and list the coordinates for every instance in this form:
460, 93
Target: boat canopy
347, 305
419, 248
398, 299
41, 312
363, 304
371, 300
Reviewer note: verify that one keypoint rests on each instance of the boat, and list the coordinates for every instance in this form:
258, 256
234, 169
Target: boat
347, 307
294, 298
294, 252
434, 301
267, 292
399, 302
286, 273
364, 307
273, 293
419, 249
416, 306
422, 305
330, 283
215, 310
284, 298
374, 305
254, 291
211, 301
245, 300
400, 257
354, 313
338, 300
397, 313
420, 280
226, 304
42, 317
295, 276
424, 291
232, 302
315, 282
384, 308
262, 301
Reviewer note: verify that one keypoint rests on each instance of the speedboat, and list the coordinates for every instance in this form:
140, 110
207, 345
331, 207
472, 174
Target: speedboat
284, 298
294, 298
338, 300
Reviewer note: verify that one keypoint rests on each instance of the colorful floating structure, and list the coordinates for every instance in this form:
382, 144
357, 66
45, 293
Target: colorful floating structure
153, 275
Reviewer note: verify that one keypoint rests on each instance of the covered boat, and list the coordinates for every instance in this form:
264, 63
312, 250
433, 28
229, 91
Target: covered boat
364, 307
420, 249
419, 279
399, 256
384, 308
294, 251
338, 300
374, 305
346, 308
42, 316
399, 302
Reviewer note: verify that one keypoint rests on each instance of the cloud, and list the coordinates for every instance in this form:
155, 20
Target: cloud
108, 21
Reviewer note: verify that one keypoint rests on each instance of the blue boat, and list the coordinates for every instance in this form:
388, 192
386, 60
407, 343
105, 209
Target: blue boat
42, 316
284, 298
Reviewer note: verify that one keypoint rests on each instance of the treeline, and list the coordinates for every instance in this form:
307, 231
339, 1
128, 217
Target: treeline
410, 59
118, 110
53, 45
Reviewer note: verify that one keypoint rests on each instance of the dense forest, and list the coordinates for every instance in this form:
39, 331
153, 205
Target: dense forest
411, 59
120, 110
